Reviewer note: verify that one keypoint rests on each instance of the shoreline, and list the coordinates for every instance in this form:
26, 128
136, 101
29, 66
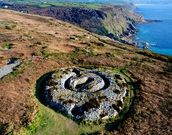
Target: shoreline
131, 39
155, 30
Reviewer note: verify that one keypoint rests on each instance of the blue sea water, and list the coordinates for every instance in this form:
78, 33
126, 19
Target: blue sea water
158, 34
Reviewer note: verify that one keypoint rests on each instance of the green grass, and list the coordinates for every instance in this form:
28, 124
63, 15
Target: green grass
7, 46
49, 3
70, 4
19, 70
49, 122
113, 27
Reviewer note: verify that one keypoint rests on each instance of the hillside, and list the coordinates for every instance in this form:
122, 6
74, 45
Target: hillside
117, 22
44, 44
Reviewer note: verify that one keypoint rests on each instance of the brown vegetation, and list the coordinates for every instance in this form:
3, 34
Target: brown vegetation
45, 44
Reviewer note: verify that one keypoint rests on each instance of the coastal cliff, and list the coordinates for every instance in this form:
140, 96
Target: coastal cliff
117, 22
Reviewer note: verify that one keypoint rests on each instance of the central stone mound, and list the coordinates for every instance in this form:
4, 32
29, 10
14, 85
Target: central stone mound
86, 94
81, 81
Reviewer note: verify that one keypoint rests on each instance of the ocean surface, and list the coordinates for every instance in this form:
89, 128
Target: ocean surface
157, 34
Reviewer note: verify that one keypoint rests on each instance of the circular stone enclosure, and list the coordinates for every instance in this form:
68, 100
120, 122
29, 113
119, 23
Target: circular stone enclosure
85, 93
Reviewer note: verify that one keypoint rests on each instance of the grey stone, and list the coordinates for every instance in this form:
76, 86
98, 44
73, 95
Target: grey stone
84, 94
5, 70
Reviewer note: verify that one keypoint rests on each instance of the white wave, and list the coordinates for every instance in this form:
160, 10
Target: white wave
137, 5
153, 44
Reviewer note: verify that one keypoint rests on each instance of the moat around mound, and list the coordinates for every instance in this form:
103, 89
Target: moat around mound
86, 94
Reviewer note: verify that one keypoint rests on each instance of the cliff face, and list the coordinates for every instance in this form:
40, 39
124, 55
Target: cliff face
112, 21
121, 21
89, 19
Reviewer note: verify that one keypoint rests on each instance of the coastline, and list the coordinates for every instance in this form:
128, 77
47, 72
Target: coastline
155, 32
132, 38
123, 28
114, 21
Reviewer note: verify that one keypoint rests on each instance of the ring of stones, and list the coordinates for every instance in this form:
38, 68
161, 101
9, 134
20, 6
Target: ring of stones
86, 94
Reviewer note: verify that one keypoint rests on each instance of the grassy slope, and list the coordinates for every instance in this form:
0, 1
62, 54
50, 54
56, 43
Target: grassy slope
48, 122
70, 4
114, 22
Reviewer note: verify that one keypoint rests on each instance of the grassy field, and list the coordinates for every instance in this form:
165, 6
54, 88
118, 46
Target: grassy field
40, 3
70, 4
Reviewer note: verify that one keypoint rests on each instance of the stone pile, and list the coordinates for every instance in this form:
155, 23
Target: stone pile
86, 94
5, 70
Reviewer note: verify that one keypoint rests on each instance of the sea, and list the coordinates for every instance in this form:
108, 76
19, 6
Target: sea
157, 34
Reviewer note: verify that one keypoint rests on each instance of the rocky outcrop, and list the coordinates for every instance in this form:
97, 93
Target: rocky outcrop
5, 70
